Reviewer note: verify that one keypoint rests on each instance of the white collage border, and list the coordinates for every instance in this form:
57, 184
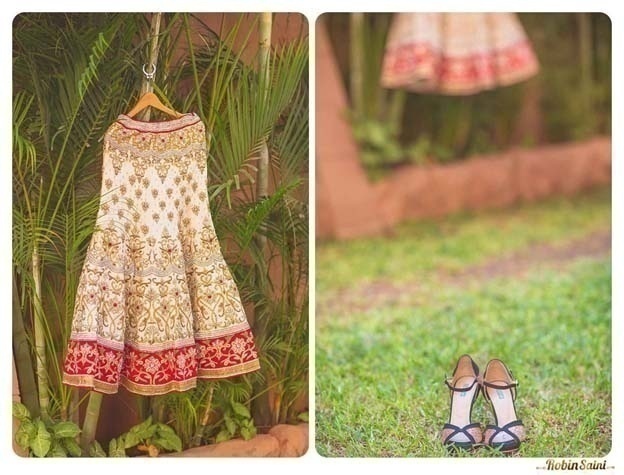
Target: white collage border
312, 462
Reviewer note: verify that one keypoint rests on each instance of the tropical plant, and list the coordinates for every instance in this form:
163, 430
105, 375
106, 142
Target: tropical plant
149, 437
237, 422
73, 74
43, 438
375, 112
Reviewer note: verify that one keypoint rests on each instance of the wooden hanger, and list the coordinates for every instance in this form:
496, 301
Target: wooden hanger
149, 99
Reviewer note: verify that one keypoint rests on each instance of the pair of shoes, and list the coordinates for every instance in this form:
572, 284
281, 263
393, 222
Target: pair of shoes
499, 389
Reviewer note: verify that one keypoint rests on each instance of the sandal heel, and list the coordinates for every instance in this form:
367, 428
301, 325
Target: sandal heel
499, 389
460, 432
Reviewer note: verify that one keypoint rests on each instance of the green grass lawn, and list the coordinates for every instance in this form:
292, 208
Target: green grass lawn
380, 372
418, 248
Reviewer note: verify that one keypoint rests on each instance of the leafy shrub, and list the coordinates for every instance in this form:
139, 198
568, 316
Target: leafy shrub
237, 422
149, 437
45, 438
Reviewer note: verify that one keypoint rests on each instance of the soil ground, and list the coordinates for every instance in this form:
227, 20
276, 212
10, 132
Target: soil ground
557, 256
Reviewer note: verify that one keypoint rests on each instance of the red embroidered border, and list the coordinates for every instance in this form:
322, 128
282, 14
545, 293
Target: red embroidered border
401, 62
94, 365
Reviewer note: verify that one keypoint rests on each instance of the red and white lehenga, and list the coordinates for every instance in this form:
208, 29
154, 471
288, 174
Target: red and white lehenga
456, 53
156, 306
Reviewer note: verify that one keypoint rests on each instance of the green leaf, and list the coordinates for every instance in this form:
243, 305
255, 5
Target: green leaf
24, 434
96, 450
168, 442
160, 443
144, 430
246, 433
65, 429
142, 426
304, 416
22, 440
163, 429
97, 52
112, 447
57, 449
148, 432
21, 412
131, 439
116, 447
167, 438
223, 436
72, 447
230, 425
241, 410
42, 441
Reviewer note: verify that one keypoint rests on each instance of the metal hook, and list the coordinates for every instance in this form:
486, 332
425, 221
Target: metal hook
149, 75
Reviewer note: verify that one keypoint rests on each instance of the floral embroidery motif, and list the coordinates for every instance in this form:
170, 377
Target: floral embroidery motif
156, 306
93, 364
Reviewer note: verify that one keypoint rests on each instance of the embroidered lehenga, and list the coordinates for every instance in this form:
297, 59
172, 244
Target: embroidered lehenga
456, 53
156, 306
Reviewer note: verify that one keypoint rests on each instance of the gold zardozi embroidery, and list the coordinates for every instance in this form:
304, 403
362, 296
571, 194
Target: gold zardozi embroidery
156, 305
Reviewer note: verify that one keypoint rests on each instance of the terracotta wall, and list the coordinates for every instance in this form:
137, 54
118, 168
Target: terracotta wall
496, 181
485, 182
345, 204
286, 27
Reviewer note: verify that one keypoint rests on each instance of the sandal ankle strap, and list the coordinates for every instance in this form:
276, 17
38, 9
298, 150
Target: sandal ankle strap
512, 386
449, 381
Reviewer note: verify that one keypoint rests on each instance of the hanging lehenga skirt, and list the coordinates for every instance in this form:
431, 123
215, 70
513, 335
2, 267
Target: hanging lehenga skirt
456, 53
156, 305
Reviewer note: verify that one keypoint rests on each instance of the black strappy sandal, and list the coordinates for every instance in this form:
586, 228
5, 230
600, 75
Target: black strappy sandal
460, 432
499, 389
